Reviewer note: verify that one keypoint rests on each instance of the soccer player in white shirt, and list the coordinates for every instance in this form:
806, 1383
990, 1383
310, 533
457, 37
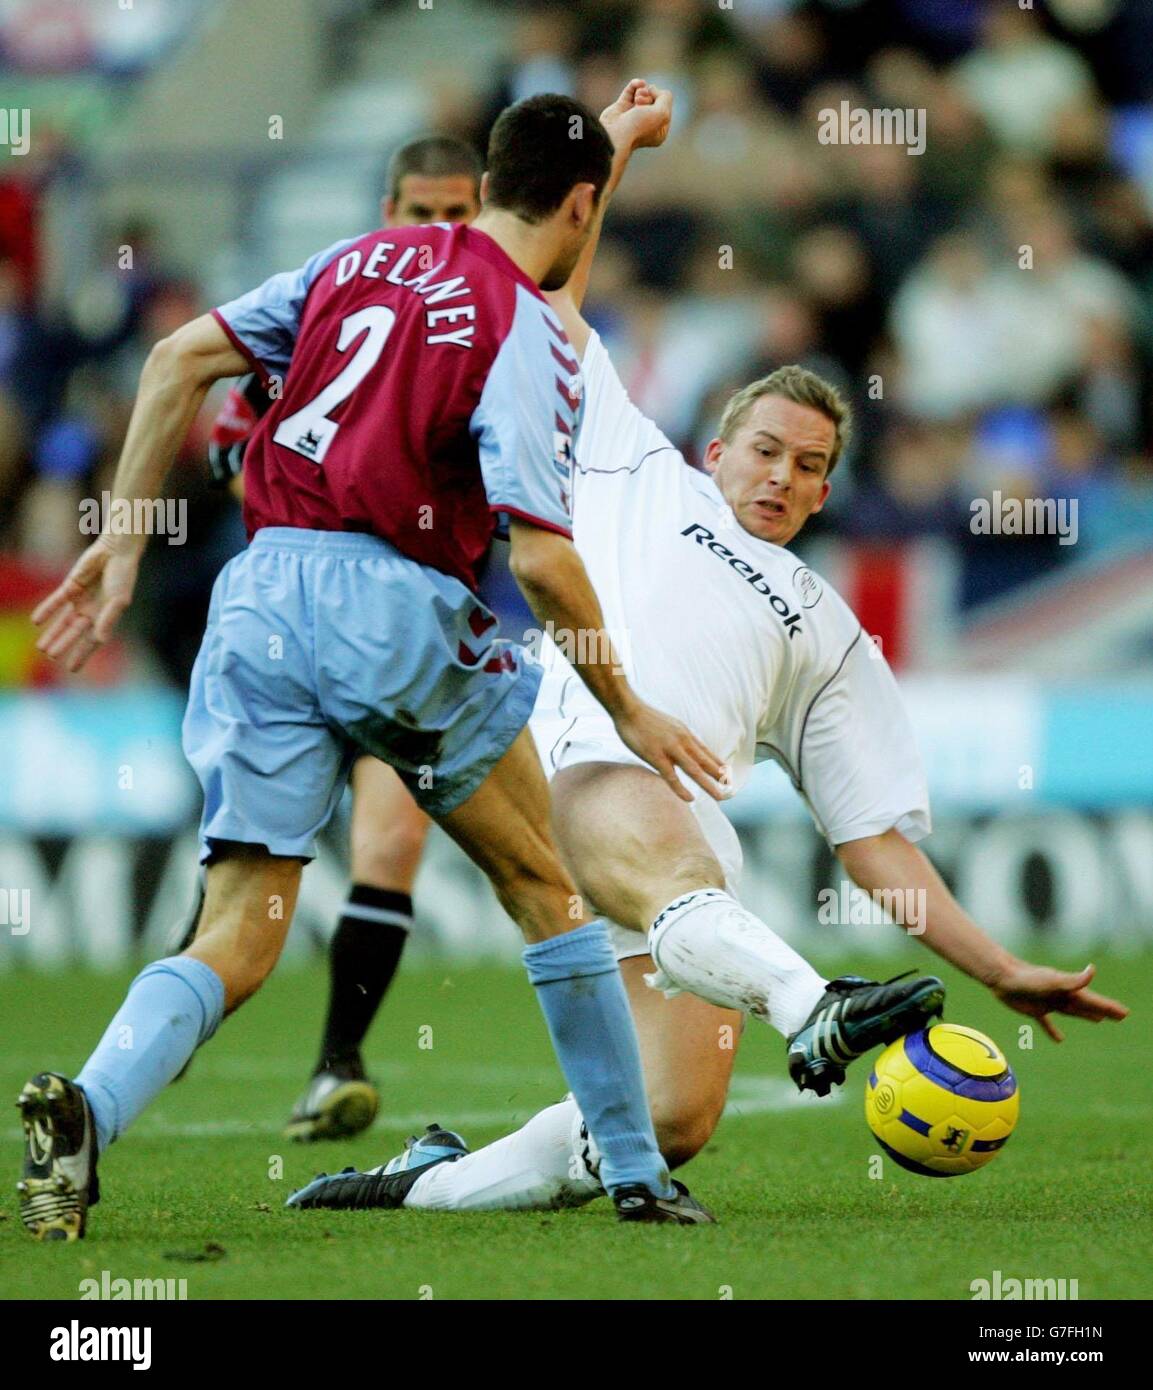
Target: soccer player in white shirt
721, 626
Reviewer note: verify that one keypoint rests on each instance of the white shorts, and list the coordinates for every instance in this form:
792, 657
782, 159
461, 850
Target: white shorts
570, 727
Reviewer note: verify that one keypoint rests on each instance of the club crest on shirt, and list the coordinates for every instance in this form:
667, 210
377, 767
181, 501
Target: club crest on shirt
809, 588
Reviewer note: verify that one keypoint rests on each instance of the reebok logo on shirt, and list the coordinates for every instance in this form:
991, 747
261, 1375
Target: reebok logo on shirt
703, 536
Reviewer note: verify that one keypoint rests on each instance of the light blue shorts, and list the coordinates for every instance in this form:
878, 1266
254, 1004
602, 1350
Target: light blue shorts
322, 646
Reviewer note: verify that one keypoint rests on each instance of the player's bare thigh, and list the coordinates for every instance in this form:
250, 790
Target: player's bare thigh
687, 1048
631, 845
388, 828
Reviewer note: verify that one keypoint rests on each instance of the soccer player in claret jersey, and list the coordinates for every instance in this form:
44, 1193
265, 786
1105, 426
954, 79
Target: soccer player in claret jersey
728, 629
431, 389
436, 179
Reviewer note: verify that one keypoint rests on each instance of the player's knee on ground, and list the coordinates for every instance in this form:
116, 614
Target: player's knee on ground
683, 1131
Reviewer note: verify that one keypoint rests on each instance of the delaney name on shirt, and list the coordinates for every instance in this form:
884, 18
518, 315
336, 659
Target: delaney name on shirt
372, 267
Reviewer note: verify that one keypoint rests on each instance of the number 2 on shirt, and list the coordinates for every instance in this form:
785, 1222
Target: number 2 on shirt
309, 431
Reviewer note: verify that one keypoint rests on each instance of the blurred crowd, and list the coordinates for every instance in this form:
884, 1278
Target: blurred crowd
987, 305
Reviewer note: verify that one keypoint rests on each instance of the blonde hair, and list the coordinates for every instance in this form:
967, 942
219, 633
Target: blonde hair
802, 387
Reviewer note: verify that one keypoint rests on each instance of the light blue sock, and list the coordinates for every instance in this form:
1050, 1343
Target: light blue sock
587, 1011
172, 1007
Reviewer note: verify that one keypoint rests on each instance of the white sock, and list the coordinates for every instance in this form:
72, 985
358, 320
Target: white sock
544, 1165
708, 944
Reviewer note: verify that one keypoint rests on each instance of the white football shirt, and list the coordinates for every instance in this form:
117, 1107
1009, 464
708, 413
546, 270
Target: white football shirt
731, 634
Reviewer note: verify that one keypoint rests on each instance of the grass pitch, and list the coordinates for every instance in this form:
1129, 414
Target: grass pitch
196, 1190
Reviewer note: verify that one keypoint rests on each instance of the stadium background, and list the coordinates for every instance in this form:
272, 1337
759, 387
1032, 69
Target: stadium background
182, 150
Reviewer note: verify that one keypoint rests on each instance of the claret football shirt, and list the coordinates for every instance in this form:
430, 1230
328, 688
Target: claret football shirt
426, 391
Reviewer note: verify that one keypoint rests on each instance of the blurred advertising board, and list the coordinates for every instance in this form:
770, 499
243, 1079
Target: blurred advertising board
1042, 803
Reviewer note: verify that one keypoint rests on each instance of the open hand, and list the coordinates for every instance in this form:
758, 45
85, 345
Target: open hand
666, 744
79, 614
1037, 990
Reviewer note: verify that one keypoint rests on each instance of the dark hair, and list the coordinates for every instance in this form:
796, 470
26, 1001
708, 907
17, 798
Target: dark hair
539, 149
435, 156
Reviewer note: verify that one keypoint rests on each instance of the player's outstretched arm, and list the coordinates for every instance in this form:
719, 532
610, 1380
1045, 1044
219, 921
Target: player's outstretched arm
80, 614
889, 862
556, 586
638, 119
